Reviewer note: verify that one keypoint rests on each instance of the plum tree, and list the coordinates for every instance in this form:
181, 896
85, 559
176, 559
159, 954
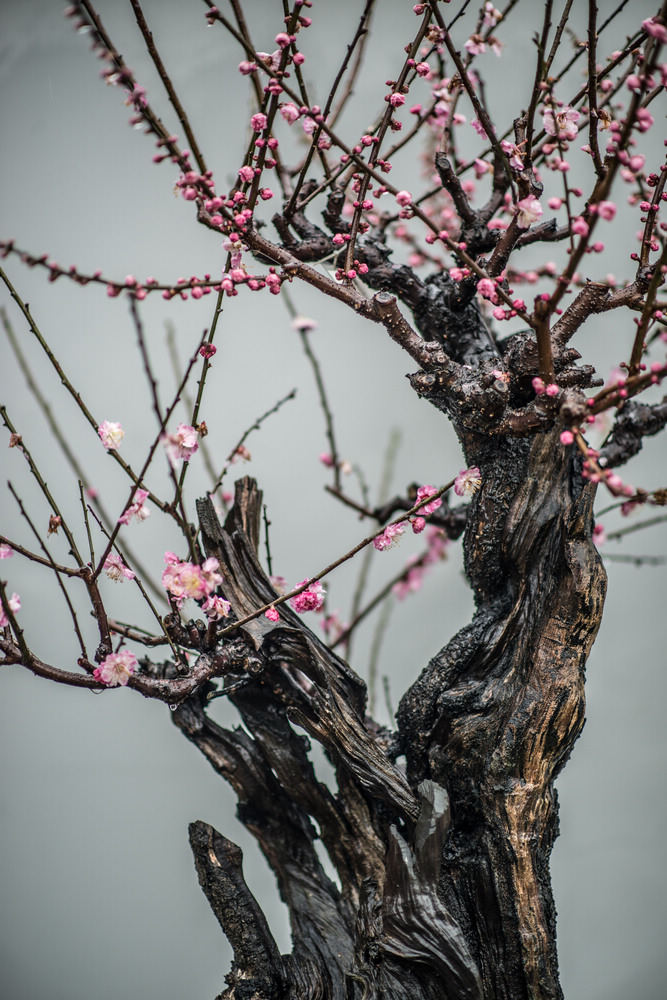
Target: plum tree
438, 829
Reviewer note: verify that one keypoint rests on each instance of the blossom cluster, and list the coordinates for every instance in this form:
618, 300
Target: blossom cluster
310, 599
188, 580
116, 669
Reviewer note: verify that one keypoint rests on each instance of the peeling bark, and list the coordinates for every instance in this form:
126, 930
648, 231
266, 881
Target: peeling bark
443, 865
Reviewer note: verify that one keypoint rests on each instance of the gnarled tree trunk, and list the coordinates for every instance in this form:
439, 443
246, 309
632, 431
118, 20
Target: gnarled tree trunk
443, 865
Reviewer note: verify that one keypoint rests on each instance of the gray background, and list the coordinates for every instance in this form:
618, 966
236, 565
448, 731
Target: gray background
99, 895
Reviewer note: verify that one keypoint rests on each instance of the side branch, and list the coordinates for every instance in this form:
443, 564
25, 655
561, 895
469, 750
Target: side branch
256, 957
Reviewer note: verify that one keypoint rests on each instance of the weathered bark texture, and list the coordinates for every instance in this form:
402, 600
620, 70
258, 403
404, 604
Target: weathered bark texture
441, 831
444, 877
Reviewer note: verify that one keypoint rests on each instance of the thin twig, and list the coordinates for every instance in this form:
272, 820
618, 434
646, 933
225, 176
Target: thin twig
649, 523
168, 85
142, 590
27, 655
253, 427
635, 560
388, 467
76, 396
387, 696
187, 398
592, 88
84, 508
43, 487
267, 525
333, 565
194, 419
360, 34
147, 462
321, 390
53, 566
374, 655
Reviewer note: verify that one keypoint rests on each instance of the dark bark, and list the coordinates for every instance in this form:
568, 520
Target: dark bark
443, 863
428, 905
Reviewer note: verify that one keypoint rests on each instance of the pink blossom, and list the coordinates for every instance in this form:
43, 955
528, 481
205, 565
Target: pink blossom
580, 226
514, 153
387, 538
209, 571
475, 45
468, 481
552, 389
418, 525
606, 210
566, 437
182, 444
116, 569
327, 459
529, 211
290, 112
246, 174
241, 453
6, 551
216, 608
458, 273
258, 122
655, 29
278, 583
410, 583
491, 15
270, 59
644, 119
183, 579
487, 289
207, 351
403, 198
111, 434
599, 534
136, 509
116, 669
282, 39
481, 167
246, 67
396, 100
14, 603
310, 599
332, 626
561, 122
428, 491
272, 614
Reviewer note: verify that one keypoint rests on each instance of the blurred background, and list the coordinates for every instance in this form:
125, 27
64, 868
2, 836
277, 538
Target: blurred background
99, 893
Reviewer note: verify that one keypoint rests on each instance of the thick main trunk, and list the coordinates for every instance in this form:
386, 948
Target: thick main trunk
495, 714
444, 876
